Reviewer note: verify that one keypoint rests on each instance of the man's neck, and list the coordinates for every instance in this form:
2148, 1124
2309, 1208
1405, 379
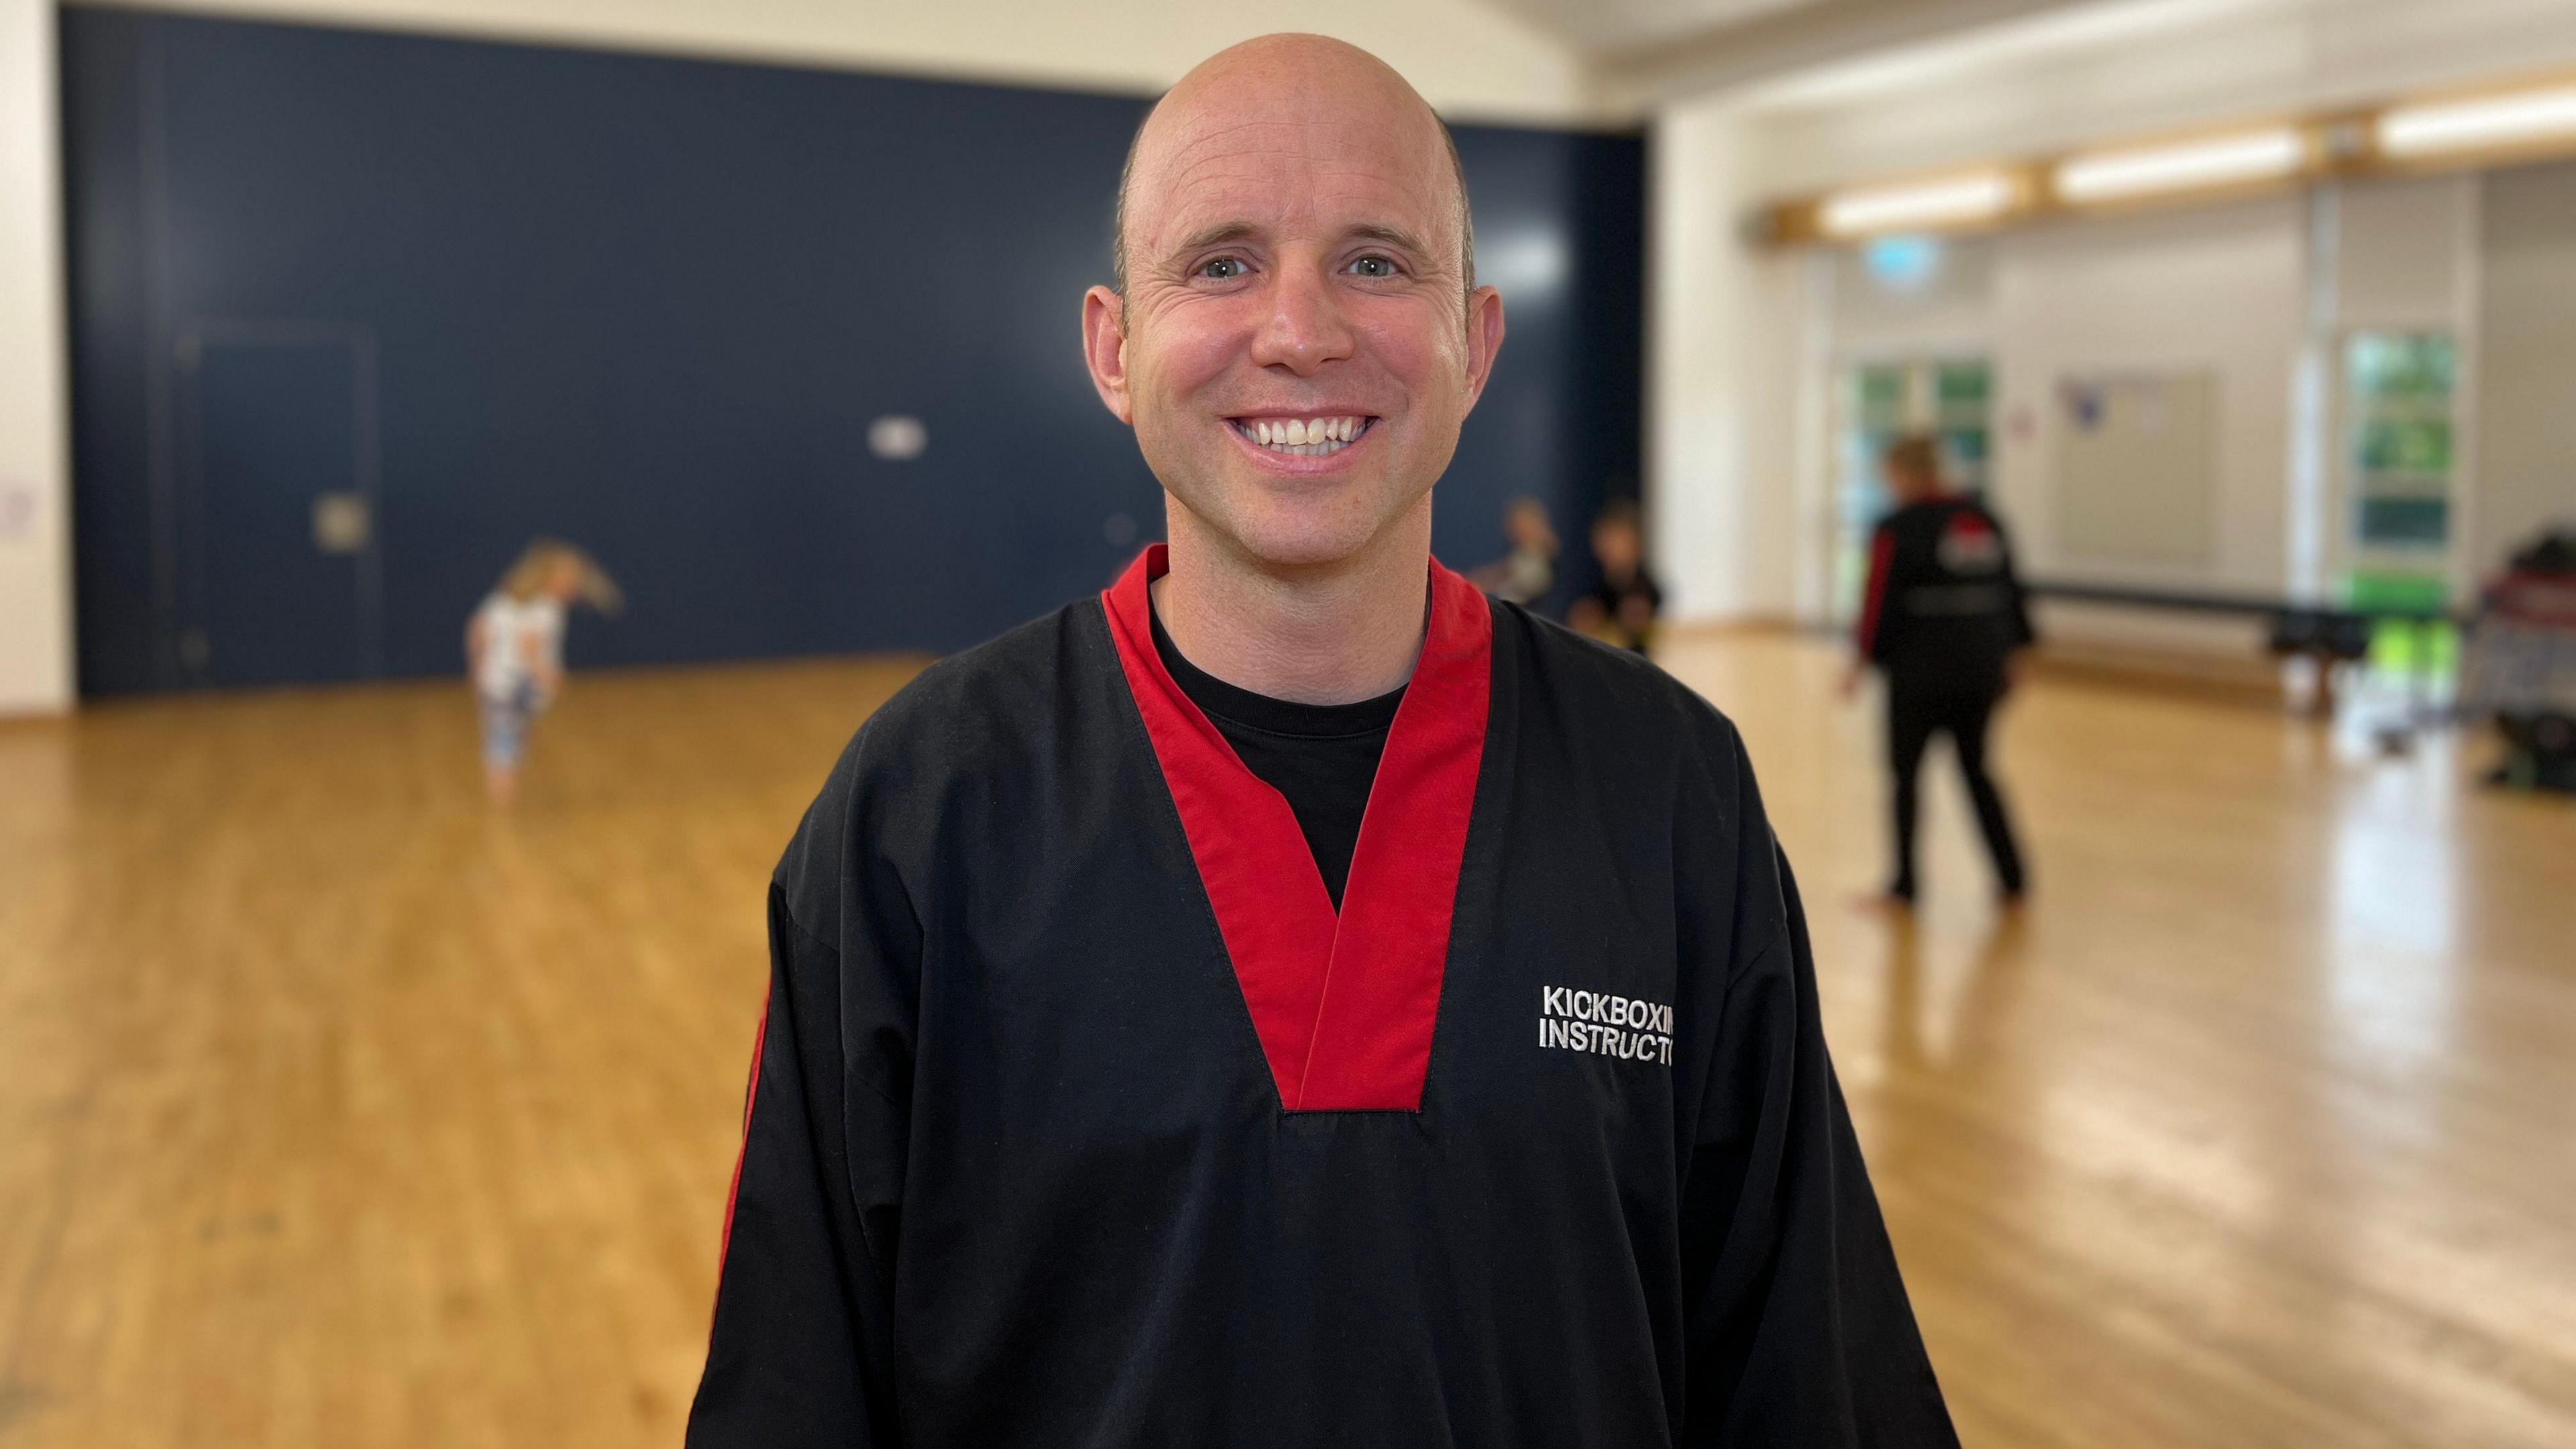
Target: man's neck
1322, 635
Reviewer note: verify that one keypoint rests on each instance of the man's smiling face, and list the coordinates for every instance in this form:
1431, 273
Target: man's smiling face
1298, 345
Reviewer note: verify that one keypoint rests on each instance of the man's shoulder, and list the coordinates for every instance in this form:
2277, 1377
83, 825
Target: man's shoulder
969, 721
1612, 696
1612, 724
1005, 683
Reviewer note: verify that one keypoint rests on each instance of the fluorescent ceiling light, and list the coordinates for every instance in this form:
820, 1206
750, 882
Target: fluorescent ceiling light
2146, 171
2487, 121
1924, 203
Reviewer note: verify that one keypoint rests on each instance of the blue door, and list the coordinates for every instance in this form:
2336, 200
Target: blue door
276, 508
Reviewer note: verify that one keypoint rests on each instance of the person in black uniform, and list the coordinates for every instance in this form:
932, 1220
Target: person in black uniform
1291, 999
1943, 618
1621, 608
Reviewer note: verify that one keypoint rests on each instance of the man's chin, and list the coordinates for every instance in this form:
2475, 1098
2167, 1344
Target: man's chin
1289, 524
1291, 540
1300, 552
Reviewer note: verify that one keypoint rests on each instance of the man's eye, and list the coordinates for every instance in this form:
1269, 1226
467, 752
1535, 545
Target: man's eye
1373, 267
1222, 269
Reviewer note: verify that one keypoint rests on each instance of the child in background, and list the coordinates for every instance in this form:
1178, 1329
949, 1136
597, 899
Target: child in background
514, 649
1621, 608
1524, 575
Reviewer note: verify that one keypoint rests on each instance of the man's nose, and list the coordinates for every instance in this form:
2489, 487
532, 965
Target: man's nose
1305, 328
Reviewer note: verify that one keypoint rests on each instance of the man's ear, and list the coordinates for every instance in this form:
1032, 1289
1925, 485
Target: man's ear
1484, 339
1104, 349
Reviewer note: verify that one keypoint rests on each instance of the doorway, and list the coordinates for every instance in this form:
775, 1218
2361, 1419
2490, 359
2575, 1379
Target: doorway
279, 568
1877, 401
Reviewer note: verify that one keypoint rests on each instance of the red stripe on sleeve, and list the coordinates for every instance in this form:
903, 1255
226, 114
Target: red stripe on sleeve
1882, 552
750, 1094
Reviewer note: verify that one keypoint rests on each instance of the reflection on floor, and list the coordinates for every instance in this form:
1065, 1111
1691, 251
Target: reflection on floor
337, 1111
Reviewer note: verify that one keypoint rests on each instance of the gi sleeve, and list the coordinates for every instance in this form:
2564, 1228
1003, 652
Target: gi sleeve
1869, 632
1797, 1329
2017, 601
801, 1352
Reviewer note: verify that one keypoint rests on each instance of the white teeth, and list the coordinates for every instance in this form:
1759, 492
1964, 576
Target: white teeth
1305, 437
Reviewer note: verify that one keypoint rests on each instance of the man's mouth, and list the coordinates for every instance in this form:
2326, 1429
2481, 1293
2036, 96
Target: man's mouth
1303, 437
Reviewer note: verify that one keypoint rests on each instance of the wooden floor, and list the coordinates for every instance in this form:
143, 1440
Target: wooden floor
337, 1111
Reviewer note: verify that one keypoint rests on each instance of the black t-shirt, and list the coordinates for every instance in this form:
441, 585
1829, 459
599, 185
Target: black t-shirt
1323, 757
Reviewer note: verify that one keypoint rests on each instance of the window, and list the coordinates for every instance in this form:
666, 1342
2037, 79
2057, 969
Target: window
2398, 459
1878, 402
2398, 397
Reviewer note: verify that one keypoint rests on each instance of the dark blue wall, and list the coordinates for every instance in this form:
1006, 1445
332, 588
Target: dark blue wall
652, 305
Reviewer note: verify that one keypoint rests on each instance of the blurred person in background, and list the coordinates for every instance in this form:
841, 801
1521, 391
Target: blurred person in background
2520, 664
1525, 574
1620, 609
1942, 618
1096, 1100
514, 649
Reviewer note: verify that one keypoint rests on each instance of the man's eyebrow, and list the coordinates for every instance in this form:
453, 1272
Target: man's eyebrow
1222, 232
1235, 231
1392, 235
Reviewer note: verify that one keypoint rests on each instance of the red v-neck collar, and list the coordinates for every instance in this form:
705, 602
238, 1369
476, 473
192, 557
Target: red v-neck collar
1344, 1006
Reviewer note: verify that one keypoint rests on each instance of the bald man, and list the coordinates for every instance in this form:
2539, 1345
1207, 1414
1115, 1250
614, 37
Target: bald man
1289, 999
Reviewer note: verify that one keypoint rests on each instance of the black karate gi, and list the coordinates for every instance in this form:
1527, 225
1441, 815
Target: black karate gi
1941, 616
1567, 1163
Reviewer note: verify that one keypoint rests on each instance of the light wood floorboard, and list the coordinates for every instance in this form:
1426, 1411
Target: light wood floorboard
337, 1110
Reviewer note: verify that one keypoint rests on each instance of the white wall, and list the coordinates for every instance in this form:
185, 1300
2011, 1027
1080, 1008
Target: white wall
2401, 258
1469, 60
1724, 338
35, 474
1950, 309
2527, 372
2220, 291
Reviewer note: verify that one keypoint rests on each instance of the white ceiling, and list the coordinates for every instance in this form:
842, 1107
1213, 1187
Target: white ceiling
1645, 53
1824, 55
2085, 73
1605, 27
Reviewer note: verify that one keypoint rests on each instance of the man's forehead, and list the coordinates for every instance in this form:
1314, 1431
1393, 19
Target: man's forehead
1333, 169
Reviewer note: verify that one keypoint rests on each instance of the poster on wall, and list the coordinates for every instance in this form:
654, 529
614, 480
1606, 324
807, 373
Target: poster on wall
2136, 467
